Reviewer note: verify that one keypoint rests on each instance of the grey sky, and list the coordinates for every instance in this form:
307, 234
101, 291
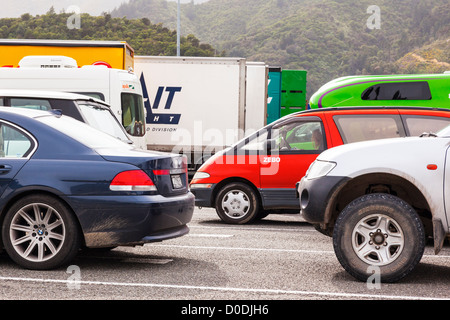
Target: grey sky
10, 9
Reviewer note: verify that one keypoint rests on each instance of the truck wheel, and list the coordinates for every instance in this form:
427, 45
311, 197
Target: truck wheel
39, 232
379, 232
237, 203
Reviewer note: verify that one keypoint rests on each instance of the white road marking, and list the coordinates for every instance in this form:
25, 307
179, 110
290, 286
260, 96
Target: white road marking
441, 256
210, 235
241, 248
223, 289
247, 228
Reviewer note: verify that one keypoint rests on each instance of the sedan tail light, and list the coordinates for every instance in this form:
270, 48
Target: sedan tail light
132, 180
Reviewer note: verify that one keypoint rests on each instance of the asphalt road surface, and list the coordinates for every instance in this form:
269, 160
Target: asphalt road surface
280, 258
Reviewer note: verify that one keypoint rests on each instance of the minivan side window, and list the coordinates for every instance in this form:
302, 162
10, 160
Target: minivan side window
354, 128
299, 137
419, 90
416, 125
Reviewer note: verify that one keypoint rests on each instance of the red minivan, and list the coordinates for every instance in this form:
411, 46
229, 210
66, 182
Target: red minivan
257, 175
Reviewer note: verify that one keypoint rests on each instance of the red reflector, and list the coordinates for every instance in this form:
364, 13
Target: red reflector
161, 172
431, 167
133, 180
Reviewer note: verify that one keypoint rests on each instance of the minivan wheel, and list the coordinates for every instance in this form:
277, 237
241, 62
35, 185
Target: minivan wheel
237, 203
39, 232
379, 231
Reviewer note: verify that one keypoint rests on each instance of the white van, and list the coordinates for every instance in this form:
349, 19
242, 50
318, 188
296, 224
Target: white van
119, 88
92, 111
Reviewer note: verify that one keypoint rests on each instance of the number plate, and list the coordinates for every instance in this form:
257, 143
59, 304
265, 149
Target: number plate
177, 183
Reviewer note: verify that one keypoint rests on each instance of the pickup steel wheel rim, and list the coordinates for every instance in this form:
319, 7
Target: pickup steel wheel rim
236, 204
378, 239
37, 232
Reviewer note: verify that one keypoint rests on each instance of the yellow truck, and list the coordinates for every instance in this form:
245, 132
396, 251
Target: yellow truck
113, 54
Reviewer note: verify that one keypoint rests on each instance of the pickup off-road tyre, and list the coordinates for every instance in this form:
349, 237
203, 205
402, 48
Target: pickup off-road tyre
237, 203
379, 233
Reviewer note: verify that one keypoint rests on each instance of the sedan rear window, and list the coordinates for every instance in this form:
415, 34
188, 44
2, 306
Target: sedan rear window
83, 133
103, 119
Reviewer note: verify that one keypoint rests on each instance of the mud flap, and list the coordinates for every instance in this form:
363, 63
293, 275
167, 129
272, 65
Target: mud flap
438, 235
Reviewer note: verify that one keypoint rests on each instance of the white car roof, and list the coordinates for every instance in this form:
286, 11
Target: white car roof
44, 94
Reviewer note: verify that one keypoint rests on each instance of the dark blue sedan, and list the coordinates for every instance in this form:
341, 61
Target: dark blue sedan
65, 186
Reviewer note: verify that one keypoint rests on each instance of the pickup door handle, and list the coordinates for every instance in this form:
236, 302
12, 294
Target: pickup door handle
5, 168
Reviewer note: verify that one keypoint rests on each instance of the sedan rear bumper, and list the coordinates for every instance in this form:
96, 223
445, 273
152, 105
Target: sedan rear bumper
132, 220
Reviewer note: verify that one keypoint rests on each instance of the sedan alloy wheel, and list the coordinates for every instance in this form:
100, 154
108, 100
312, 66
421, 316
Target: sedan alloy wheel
40, 232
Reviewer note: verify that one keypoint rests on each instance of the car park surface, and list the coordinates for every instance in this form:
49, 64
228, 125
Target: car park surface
65, 185
276, 262
381, 208
257, 176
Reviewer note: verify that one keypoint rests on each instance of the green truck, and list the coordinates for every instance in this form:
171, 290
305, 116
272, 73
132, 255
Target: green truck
424, 90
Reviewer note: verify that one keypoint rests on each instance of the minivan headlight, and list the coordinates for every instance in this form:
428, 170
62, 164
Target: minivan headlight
319, 169
201, 175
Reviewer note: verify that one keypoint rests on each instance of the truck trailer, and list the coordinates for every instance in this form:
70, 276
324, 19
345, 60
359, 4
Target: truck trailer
199, 106
113, 54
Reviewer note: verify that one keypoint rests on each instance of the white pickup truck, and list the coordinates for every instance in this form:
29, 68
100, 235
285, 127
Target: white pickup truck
380, 200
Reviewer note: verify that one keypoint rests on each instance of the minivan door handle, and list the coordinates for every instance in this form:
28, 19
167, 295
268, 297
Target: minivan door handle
5, 168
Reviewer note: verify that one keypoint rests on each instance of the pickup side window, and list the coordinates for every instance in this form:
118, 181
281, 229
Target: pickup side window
354, 128
416, 125
419, 90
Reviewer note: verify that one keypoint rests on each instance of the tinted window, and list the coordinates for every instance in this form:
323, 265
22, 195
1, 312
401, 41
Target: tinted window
416, 125
68, 108
133, 114
354, 128
398, 91
13, 142
31, 103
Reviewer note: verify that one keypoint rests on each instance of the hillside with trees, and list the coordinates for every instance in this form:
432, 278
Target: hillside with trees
325, 37
146, 38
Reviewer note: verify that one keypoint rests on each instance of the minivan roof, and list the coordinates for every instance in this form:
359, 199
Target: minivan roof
44, 94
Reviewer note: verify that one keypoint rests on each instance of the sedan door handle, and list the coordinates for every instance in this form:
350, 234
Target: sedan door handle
5, 168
